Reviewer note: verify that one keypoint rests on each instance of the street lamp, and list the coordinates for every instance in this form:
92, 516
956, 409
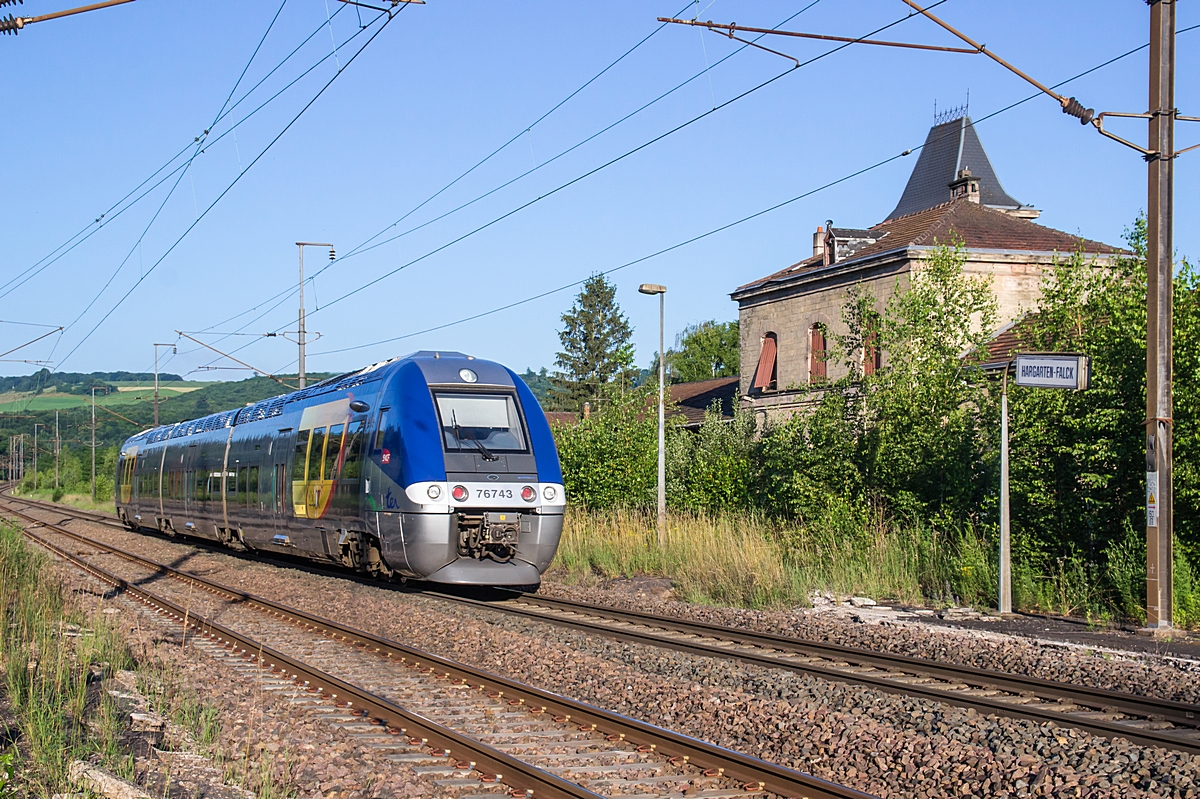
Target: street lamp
661, 291
300, 331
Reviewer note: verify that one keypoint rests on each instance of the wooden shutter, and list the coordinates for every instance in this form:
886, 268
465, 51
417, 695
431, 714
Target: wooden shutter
764, 376
816, 365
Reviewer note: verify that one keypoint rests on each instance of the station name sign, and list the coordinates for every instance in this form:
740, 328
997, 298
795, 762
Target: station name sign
1053, 371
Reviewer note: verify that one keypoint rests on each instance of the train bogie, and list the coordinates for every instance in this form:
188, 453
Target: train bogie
436, 466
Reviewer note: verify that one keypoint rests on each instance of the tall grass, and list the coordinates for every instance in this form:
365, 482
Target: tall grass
48, 648
748, 561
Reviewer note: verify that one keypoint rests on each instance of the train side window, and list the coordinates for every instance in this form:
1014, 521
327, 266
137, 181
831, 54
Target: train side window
299, 465
346, 499
383, 412
332, 450
352, 462
252, 487
298, 462
316, 455
240, 497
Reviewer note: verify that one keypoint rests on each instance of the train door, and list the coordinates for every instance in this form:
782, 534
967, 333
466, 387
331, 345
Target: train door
281, 496
126, 473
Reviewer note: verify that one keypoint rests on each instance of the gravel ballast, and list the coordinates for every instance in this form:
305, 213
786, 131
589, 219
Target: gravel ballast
881, 743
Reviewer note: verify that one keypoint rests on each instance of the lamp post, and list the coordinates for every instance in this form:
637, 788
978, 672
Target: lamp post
156, 346
661, 291
300, 330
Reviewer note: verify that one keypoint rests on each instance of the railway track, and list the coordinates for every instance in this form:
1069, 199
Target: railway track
1145, 720
473, 729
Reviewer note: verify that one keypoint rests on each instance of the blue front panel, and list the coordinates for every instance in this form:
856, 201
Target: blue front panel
417, 454
544, 451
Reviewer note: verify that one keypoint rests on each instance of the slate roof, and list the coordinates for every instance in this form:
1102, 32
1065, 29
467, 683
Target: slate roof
948, 148
1010, 341
561, 417
693, 399
977, 227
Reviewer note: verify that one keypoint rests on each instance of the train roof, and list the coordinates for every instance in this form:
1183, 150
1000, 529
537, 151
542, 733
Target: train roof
438, 366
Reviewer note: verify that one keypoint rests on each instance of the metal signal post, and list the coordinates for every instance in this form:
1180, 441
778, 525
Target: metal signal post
1160, 154
300, 332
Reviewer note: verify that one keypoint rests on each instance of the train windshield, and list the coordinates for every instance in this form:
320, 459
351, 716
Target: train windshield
485, 423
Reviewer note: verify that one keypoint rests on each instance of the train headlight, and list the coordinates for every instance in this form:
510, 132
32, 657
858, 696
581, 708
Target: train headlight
460, 493
434, 491
549, 493
528, 494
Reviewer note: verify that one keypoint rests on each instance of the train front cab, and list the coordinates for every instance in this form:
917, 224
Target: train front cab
476, 497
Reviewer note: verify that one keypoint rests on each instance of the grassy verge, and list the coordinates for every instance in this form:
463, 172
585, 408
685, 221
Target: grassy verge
51, 653
83, 501
747, 561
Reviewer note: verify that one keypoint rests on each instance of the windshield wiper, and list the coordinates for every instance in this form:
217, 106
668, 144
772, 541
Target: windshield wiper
487, 455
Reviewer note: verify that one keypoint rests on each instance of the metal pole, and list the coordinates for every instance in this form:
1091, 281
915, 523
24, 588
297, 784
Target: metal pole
662, 453
300, 329
57, 442
156, 385
35, 427
1005, 576
94, 442
1159, 333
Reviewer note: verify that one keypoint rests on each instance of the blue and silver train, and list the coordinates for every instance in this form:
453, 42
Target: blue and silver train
436, 466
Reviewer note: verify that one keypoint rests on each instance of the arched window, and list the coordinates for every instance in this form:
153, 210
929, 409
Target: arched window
816, 354
766, 373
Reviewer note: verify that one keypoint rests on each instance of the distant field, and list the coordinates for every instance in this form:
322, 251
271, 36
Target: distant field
178, 385
12, 402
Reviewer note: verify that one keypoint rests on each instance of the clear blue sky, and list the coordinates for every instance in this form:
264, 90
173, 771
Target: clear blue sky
98, 102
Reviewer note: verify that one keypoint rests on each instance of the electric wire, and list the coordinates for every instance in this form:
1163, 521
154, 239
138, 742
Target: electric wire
108, 216
233, 183
199, 147
617, 159
286, 294
729, 225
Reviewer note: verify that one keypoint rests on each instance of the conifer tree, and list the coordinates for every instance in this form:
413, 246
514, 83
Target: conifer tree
597, 350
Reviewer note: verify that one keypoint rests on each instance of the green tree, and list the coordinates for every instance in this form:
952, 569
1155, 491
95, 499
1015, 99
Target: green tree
597, 349
703, 351
610, 459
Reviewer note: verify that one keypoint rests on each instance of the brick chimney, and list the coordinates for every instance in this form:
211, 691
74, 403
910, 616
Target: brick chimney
819, 241
965, 186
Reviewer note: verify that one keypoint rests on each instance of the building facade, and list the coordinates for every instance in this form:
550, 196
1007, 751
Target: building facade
788, 318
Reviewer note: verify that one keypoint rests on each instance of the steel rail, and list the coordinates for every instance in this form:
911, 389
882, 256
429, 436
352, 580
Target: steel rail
755, 774
720, 640
509, 769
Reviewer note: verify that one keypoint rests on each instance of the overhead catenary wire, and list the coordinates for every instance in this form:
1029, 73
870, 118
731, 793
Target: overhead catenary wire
199, 147
729, 225
281, 297
390, 16
617, 159
109, 216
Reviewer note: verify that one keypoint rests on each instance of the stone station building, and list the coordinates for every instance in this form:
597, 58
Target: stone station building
952, 195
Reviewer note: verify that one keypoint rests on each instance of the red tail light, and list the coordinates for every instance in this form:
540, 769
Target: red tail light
528, 494
460, 493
